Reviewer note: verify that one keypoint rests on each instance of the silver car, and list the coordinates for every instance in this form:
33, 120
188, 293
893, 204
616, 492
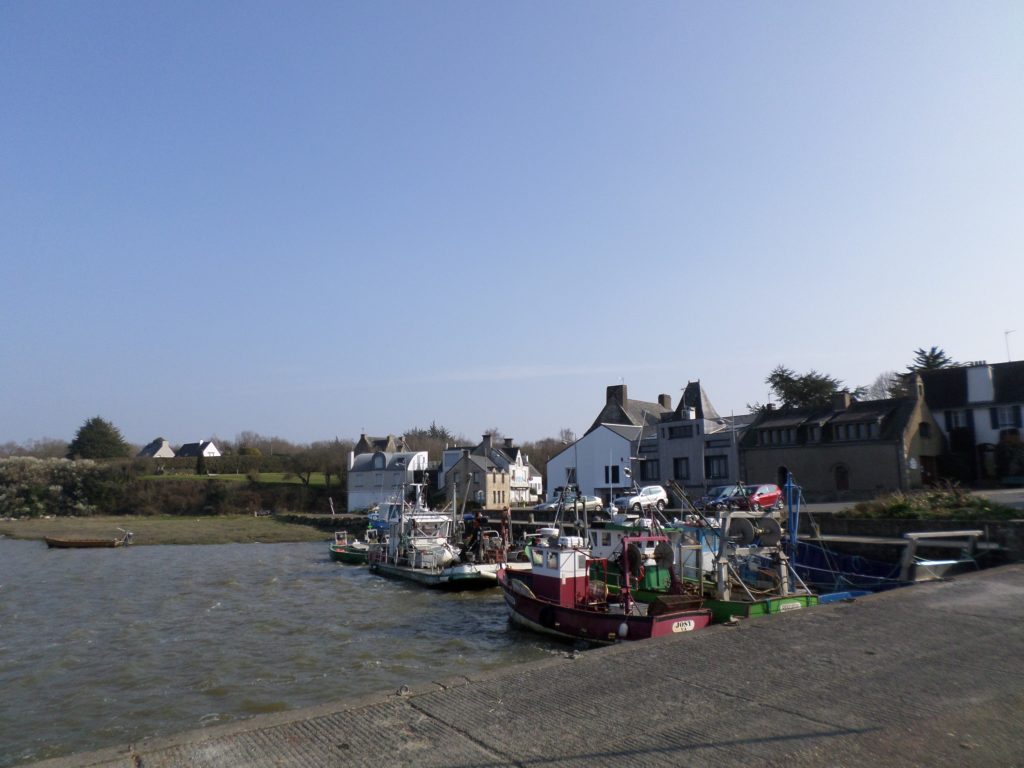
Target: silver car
569, 501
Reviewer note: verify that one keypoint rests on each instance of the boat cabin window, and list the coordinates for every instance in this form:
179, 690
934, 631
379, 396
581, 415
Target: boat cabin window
553, 560
581, 561
606, 538
536, 557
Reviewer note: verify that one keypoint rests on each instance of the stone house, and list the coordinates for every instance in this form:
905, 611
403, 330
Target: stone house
480, 480
848, 449
526, 483
696, 447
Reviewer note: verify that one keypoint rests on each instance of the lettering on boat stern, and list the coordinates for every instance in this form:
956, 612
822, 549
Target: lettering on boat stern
686, 625
790, 605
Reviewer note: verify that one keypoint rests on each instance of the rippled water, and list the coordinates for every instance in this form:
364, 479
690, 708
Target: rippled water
105, 647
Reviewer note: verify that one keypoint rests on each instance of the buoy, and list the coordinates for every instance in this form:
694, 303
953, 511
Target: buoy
623, 630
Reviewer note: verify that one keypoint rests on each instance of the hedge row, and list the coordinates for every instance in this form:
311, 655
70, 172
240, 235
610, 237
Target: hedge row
34, 487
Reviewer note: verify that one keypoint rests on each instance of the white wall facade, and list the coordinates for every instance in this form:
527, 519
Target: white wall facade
599, 458
374, 478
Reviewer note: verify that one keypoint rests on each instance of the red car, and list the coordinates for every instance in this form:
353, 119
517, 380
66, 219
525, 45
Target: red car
759, 498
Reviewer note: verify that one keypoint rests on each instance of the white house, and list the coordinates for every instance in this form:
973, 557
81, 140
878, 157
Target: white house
203, 447
158, 449
375, 477
977, 406
597, 462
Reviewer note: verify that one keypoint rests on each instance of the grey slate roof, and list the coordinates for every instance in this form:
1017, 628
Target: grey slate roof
893, 415
192, 449
151, 450
393, 461
946, 388
695, 397
628, 411
1008, 379
626, 431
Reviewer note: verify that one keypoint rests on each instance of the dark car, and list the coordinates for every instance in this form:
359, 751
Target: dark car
759, 498
718, 497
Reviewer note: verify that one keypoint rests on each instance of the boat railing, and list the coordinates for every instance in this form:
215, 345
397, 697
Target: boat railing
965, 541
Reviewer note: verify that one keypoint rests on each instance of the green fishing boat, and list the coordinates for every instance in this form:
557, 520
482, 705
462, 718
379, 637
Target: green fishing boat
345, 549
742, 574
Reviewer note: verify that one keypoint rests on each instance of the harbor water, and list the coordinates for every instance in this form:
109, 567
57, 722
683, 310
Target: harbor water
105, 647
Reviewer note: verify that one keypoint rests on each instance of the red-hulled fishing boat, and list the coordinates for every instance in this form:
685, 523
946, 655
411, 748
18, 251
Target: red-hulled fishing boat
558, 596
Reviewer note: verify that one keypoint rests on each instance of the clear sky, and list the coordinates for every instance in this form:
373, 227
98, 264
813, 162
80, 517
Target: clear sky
315, 219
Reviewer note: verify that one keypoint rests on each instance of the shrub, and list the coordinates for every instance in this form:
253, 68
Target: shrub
947, 503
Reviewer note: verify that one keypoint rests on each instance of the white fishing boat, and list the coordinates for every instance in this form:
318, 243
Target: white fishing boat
420, 547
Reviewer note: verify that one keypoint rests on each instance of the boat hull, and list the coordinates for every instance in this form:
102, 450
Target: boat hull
593, 625
83, 543
460, 577
348, 555
725, 610
721, 610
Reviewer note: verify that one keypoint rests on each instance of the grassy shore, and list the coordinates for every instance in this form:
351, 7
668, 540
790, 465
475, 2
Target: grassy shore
165, 529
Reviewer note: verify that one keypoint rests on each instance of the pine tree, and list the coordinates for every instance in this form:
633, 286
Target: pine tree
931, 360
98, 439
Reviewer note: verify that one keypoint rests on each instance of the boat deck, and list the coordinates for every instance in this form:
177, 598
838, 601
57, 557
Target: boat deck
926, 675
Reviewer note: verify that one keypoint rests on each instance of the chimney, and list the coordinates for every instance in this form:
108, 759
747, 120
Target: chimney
508, 442
665, 401
840, 401
616, 395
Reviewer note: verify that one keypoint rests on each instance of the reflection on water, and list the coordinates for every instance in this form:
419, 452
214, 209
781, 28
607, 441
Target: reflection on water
105, 647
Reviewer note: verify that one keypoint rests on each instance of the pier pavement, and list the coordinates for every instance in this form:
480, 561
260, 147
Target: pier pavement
931, 675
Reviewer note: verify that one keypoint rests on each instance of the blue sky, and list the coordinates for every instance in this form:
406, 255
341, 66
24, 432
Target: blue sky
316, 219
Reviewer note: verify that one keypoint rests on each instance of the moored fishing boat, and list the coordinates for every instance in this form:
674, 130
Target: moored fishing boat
345, 549
420, 548
558, 597
741, 573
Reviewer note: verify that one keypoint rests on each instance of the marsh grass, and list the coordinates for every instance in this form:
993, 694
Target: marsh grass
165, 529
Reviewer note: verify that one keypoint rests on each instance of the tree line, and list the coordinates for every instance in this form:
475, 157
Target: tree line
252, 452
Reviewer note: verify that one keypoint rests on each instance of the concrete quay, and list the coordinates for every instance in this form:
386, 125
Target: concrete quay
931, 675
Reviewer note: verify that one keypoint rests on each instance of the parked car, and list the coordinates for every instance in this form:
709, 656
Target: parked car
647, 497
718, 497
759, 498
569, 501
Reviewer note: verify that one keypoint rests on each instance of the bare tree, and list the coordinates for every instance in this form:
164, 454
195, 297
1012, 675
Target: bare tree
886, 385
